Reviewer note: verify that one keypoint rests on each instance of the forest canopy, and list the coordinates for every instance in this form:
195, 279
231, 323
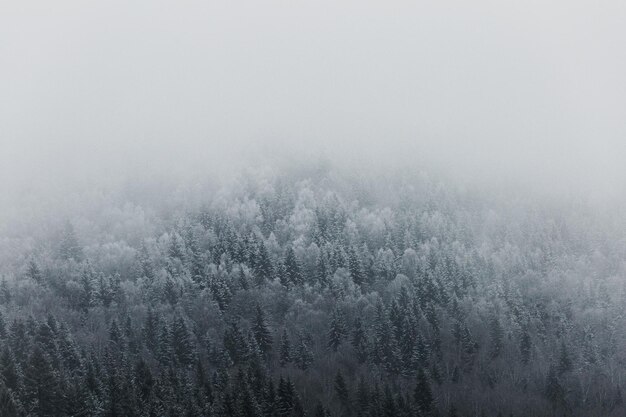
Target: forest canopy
313, 292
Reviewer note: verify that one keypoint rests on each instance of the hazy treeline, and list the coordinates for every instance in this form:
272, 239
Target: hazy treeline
317, 294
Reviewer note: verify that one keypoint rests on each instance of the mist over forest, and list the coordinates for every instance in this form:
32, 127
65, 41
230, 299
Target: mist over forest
324, 209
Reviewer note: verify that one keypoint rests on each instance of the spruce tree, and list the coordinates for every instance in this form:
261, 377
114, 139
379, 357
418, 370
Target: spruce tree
525, 345
285, 349
359, 341
293, 274
41, 385
496, 337
303, 356
554, 392
422, 395
354, 266
261, 331
33, 272
341, 389
182, 344
565, 362
337, 331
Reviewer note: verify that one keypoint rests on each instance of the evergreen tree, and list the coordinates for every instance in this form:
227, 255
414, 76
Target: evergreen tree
69, 248
269, 400
285, 398
8, 404
10, 370
293, 275
182, 344
87, 294
362, 397
144, 381
33, 272
423, 396
525, 346
303, 355
263, 265
359, 341
150, 330
261, 331
565, 362
285, 349
496, 337
337, 331
389, 408
235, 343
321, 271
554, 391
164, 351
41, 385
341, 389
354, 266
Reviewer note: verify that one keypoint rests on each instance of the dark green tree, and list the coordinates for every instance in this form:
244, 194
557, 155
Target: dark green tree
261, 330
285, 349
337, 331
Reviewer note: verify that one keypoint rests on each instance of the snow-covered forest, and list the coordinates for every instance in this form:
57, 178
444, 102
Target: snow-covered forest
320, 208
315, 292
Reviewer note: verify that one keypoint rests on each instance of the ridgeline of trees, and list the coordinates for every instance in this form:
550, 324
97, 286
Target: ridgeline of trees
319, 297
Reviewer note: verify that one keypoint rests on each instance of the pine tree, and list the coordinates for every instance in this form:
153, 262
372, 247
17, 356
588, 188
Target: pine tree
164, 346
10, 372
69, 248
525, 346
67, 349
354, 266
341, 389
362, 397
321, 271
269, 400
565, 362
196, 268
261, 331
247, 405
3, 327
359, 341
41, 385
285, 398
33, 272
303, 355
235, 343
468, 349
495, 336
293, 275
87, 295
145, 266
337, 331
150, 330
182, 345
144, 381
8, 404
423, 396
170, 292
320, 411
263, 265
389, 404
285, 349
554, 391
5, 292
116, 339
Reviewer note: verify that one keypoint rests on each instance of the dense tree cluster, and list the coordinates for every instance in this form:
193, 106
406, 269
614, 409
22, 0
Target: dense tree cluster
321, 297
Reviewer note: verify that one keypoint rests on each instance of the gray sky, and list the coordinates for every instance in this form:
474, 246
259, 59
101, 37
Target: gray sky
528, 90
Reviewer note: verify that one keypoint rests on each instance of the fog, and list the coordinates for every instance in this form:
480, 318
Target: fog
312, 208
528, 92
